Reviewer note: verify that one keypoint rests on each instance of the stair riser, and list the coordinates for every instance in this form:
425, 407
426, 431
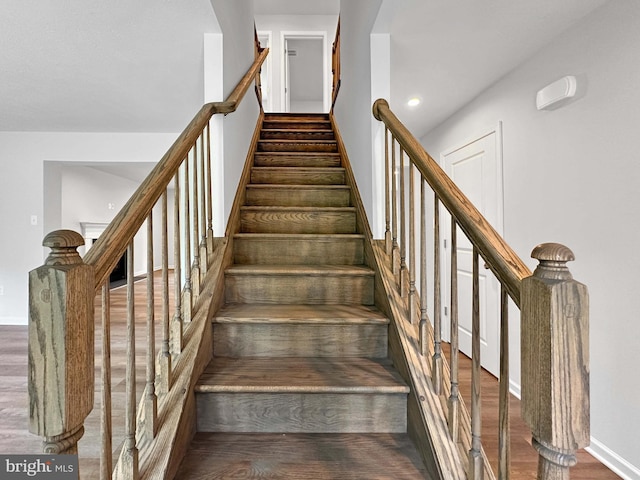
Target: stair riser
296, 135
284, 340
268, 251
296, 125
265, 159
299, 289
302, 412
298, 197
297, 222
275, 146
296, 176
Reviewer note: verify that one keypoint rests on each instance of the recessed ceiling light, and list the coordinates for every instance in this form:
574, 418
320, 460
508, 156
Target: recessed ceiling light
413, 102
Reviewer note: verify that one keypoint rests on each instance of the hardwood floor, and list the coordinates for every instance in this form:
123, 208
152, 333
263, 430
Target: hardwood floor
15, 438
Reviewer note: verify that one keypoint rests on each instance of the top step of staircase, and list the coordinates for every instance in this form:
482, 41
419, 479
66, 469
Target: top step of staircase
296, 121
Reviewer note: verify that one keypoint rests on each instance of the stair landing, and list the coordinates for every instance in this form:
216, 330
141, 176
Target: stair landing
380, 456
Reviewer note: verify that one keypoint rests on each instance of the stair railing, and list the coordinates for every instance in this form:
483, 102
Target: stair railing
553, 310
335, 67
177, 199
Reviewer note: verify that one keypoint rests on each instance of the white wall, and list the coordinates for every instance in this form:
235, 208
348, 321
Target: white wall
86, 194
353, 106
237, 24
571, 176
21, 196
279, 24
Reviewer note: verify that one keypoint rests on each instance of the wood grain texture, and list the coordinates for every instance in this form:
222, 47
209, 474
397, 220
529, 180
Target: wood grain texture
300, 456
303, 412
301, 375
299, 284
272, 339
297, 159
299, 249
61, 345
555, 361
298, 220
296, 134
299, 195
301, 314
297, 146
298, 175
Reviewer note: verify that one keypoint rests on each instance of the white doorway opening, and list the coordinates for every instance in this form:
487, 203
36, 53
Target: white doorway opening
304, 70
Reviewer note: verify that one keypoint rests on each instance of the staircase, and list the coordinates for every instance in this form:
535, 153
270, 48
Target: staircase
300, 385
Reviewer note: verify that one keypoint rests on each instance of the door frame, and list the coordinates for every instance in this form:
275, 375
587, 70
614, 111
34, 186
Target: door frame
326, 81
445, 224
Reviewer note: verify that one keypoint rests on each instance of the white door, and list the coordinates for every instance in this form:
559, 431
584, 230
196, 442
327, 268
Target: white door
476, 167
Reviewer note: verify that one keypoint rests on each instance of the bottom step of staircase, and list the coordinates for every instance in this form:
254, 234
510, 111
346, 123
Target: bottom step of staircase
379, 456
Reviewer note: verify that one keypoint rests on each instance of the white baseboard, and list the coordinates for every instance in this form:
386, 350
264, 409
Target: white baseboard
614, 461
14, 321
514, 388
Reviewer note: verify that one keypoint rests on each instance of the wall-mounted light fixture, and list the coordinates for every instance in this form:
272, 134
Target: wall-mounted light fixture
556, 94
413, 102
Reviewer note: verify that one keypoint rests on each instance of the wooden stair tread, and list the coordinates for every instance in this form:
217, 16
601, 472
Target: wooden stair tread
300, 314
378, 456
300, 375
296, 142
306, 270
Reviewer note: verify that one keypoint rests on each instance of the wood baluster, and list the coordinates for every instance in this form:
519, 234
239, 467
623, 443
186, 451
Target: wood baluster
395, 253
476, 462
128, 463
195, 234
423, 330
436, 373
209, 194
387, 207
454, 395
187, 293
404, 290
203, 212
165, 356
151, 399
555, 361
504, 437
177, 324
106, 430
412, 245
61, 344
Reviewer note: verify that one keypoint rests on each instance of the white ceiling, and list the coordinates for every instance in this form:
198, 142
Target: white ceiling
447, 52
90, 65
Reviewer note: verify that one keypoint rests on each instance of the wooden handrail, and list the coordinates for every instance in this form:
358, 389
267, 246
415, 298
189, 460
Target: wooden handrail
554, 316
498, 255
335, 66
104, 254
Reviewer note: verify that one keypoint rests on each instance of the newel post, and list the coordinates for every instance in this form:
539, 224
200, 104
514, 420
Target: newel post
61, 368
555, 361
